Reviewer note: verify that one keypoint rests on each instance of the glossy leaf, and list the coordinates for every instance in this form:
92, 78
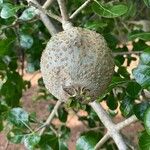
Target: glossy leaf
147, 120
144, 141
28, 14
109, 11
142, 72
31, 141
145, 58
15, 136
18, 117
49, 142
133, 89
142, 75
26, 41
112, 102
14, 86
126, 106
145, 36
62, 114
8, 10
140, 109
87, 141
1, 1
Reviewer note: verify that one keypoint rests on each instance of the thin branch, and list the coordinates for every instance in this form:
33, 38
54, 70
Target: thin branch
112, 131
126, 122
63, 10
50, 27
102, 141
51, 116
49, 13
80, 9
7, 145
127, 53
47, 4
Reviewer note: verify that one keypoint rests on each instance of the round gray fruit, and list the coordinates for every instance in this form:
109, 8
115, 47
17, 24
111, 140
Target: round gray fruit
77, 61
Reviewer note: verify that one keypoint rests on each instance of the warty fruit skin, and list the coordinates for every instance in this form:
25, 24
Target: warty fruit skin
77, 59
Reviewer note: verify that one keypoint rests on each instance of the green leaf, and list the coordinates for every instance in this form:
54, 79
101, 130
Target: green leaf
1, 125
26, 41
109, 11
144, 141
15, 136
142, 72
133, 89
147, 3
1, 1
140, 45
49, 142
18, 117
64, 132
145, 58
140, 109
62, 114
9, 10
126, 106
112, 102
142, 75
95, 25
3, 107
32, 117
145, 36
116, 82
87, 141
14, 86
31, 141
62, 145
28, 14
147, 120
5, 45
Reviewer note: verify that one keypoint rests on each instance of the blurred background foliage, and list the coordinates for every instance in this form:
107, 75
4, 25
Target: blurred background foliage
22, 40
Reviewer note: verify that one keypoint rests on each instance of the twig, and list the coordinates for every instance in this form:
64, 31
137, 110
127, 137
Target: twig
79, 9
102, 141
112, 130
51, 116
127, 53
6, 146
47, 4
63, 10
49, 13
126, 122
50, 27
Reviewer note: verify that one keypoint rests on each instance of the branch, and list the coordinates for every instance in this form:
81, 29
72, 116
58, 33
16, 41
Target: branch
63, 10
49, 13
126, 122
80, 9
50, 117
119, 126
112, 130
127, 53
50, 27
47, 4
102, 141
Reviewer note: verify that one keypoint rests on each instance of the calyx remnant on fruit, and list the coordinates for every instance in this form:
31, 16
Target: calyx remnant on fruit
77, 61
